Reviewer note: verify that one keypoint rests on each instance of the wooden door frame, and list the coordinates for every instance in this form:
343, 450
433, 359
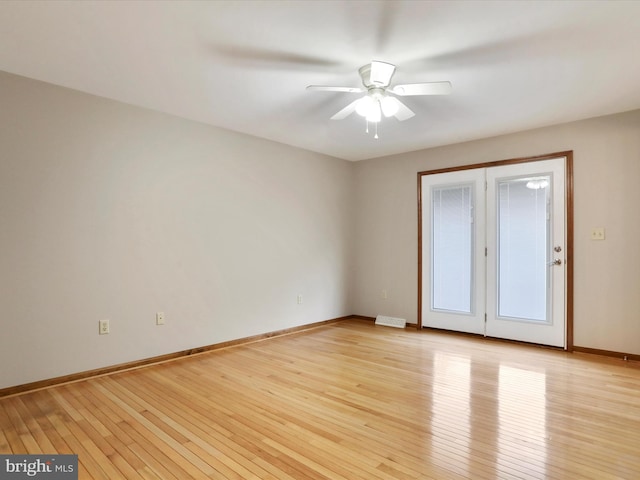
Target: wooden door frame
568, 155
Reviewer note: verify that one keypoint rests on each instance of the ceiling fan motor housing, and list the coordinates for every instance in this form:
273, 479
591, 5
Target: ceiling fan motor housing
382, 74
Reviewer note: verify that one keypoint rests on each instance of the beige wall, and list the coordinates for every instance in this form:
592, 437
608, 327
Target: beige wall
111, 211
607, 194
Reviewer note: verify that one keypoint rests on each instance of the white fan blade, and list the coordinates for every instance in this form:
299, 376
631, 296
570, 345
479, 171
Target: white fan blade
403, 112
381, 73
346, 111
428, 88
326, 88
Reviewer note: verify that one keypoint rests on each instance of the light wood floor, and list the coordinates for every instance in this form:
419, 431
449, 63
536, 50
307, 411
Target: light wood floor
345, 401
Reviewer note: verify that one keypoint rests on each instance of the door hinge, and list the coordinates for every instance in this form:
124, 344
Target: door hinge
485, 318
485, 251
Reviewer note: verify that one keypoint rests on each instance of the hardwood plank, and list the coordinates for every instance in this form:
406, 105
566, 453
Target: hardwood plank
349, 400
29, 413
16, 431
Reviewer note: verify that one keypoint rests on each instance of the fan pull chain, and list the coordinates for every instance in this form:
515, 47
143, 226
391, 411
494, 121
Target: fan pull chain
376, 129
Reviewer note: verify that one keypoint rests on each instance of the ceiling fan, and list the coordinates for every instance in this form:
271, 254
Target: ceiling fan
380, 100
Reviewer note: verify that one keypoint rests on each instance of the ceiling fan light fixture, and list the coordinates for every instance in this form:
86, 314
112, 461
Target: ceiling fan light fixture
389, 106
369, 107
375, 113
365, 105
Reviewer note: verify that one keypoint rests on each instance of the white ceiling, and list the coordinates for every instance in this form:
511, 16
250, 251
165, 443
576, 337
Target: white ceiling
244, 65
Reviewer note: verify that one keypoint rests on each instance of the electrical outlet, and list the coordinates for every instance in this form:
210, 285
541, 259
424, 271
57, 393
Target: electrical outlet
103, 327
383, 294
159, 318
299, 299
597, 233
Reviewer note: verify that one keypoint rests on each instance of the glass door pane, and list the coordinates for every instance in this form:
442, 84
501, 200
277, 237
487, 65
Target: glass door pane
523, 248
452, 248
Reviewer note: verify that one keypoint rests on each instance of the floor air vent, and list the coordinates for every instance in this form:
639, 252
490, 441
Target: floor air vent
390, 321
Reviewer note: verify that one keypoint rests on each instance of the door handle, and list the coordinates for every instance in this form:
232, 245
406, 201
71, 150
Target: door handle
556, 261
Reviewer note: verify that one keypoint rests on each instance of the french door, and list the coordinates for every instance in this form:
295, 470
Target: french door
493, 251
